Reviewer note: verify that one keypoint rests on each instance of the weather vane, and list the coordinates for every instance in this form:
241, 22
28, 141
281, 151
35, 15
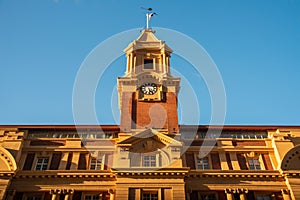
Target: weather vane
149, 15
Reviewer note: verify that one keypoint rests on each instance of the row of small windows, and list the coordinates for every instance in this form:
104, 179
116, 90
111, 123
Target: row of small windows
153, 195
102, 161
42, 164
85, 161
184, 135
212, 161
199, 195
73, 134
233, 135
77, 195
53, 161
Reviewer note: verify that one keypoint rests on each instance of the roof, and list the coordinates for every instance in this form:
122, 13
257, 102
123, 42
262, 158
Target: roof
147, 40
182, 127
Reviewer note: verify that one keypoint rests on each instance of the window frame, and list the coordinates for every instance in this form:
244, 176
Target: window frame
146, 64
93, 196
154, 195
42, 164
207, 158
150, 160
254, 164
99, 164
263, 195
35, 196
208, 193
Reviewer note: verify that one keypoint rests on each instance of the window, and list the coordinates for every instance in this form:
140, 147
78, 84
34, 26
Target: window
150, 195
148, 64
208, 197
202, 163
96, 164
108, 135
29, 161
41, 163
263, 198
149, 161
254, 164
91, 197
34, 198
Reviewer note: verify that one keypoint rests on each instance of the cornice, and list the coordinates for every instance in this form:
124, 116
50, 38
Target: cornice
242, 174
66, 174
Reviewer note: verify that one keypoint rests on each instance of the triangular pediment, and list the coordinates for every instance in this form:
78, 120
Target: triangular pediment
149, 134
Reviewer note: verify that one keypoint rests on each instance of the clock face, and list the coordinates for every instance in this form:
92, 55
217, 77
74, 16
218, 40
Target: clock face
149, 88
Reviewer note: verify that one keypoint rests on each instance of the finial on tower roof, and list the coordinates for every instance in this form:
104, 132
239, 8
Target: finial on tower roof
149, 15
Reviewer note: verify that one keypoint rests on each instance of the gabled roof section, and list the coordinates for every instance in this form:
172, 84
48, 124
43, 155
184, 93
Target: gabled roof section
147, 40
149, 133
147, 35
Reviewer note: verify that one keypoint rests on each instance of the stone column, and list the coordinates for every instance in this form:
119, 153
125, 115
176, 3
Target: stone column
243, 193
131, 62
243, 196
168, 65
228, 193
68, 194
55, 194
111, 194
128, 68
164, 63
286, 194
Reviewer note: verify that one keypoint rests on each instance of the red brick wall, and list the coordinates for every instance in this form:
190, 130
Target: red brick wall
190, 160
29, 161
215, 160
69, 161
108, 161
229, 161
267, 162
83, 161
150, 114
126, 112
172, 112
249, 143
56, 157
242, 161
47, 143
98, 143
157, 114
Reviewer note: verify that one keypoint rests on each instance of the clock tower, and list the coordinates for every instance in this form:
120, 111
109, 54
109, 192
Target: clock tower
148, 92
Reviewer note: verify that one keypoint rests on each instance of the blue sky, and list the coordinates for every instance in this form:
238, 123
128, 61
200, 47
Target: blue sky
254, 43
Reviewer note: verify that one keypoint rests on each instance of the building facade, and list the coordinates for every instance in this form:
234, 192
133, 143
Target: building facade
149, 156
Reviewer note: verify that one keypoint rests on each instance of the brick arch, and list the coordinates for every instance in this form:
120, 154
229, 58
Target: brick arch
291, 160
149, 77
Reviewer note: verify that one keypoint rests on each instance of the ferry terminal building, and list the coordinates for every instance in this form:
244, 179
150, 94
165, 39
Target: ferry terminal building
149, 156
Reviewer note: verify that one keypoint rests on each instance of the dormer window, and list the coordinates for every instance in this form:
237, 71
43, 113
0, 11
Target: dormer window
149, 161
254, 164
148, 64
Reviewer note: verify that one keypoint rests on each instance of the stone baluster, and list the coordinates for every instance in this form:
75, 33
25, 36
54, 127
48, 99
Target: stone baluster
55, 194
228, 193
68, 194
111, 194
286, 194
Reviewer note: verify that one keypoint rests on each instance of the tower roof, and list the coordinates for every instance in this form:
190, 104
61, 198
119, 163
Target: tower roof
147, 40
